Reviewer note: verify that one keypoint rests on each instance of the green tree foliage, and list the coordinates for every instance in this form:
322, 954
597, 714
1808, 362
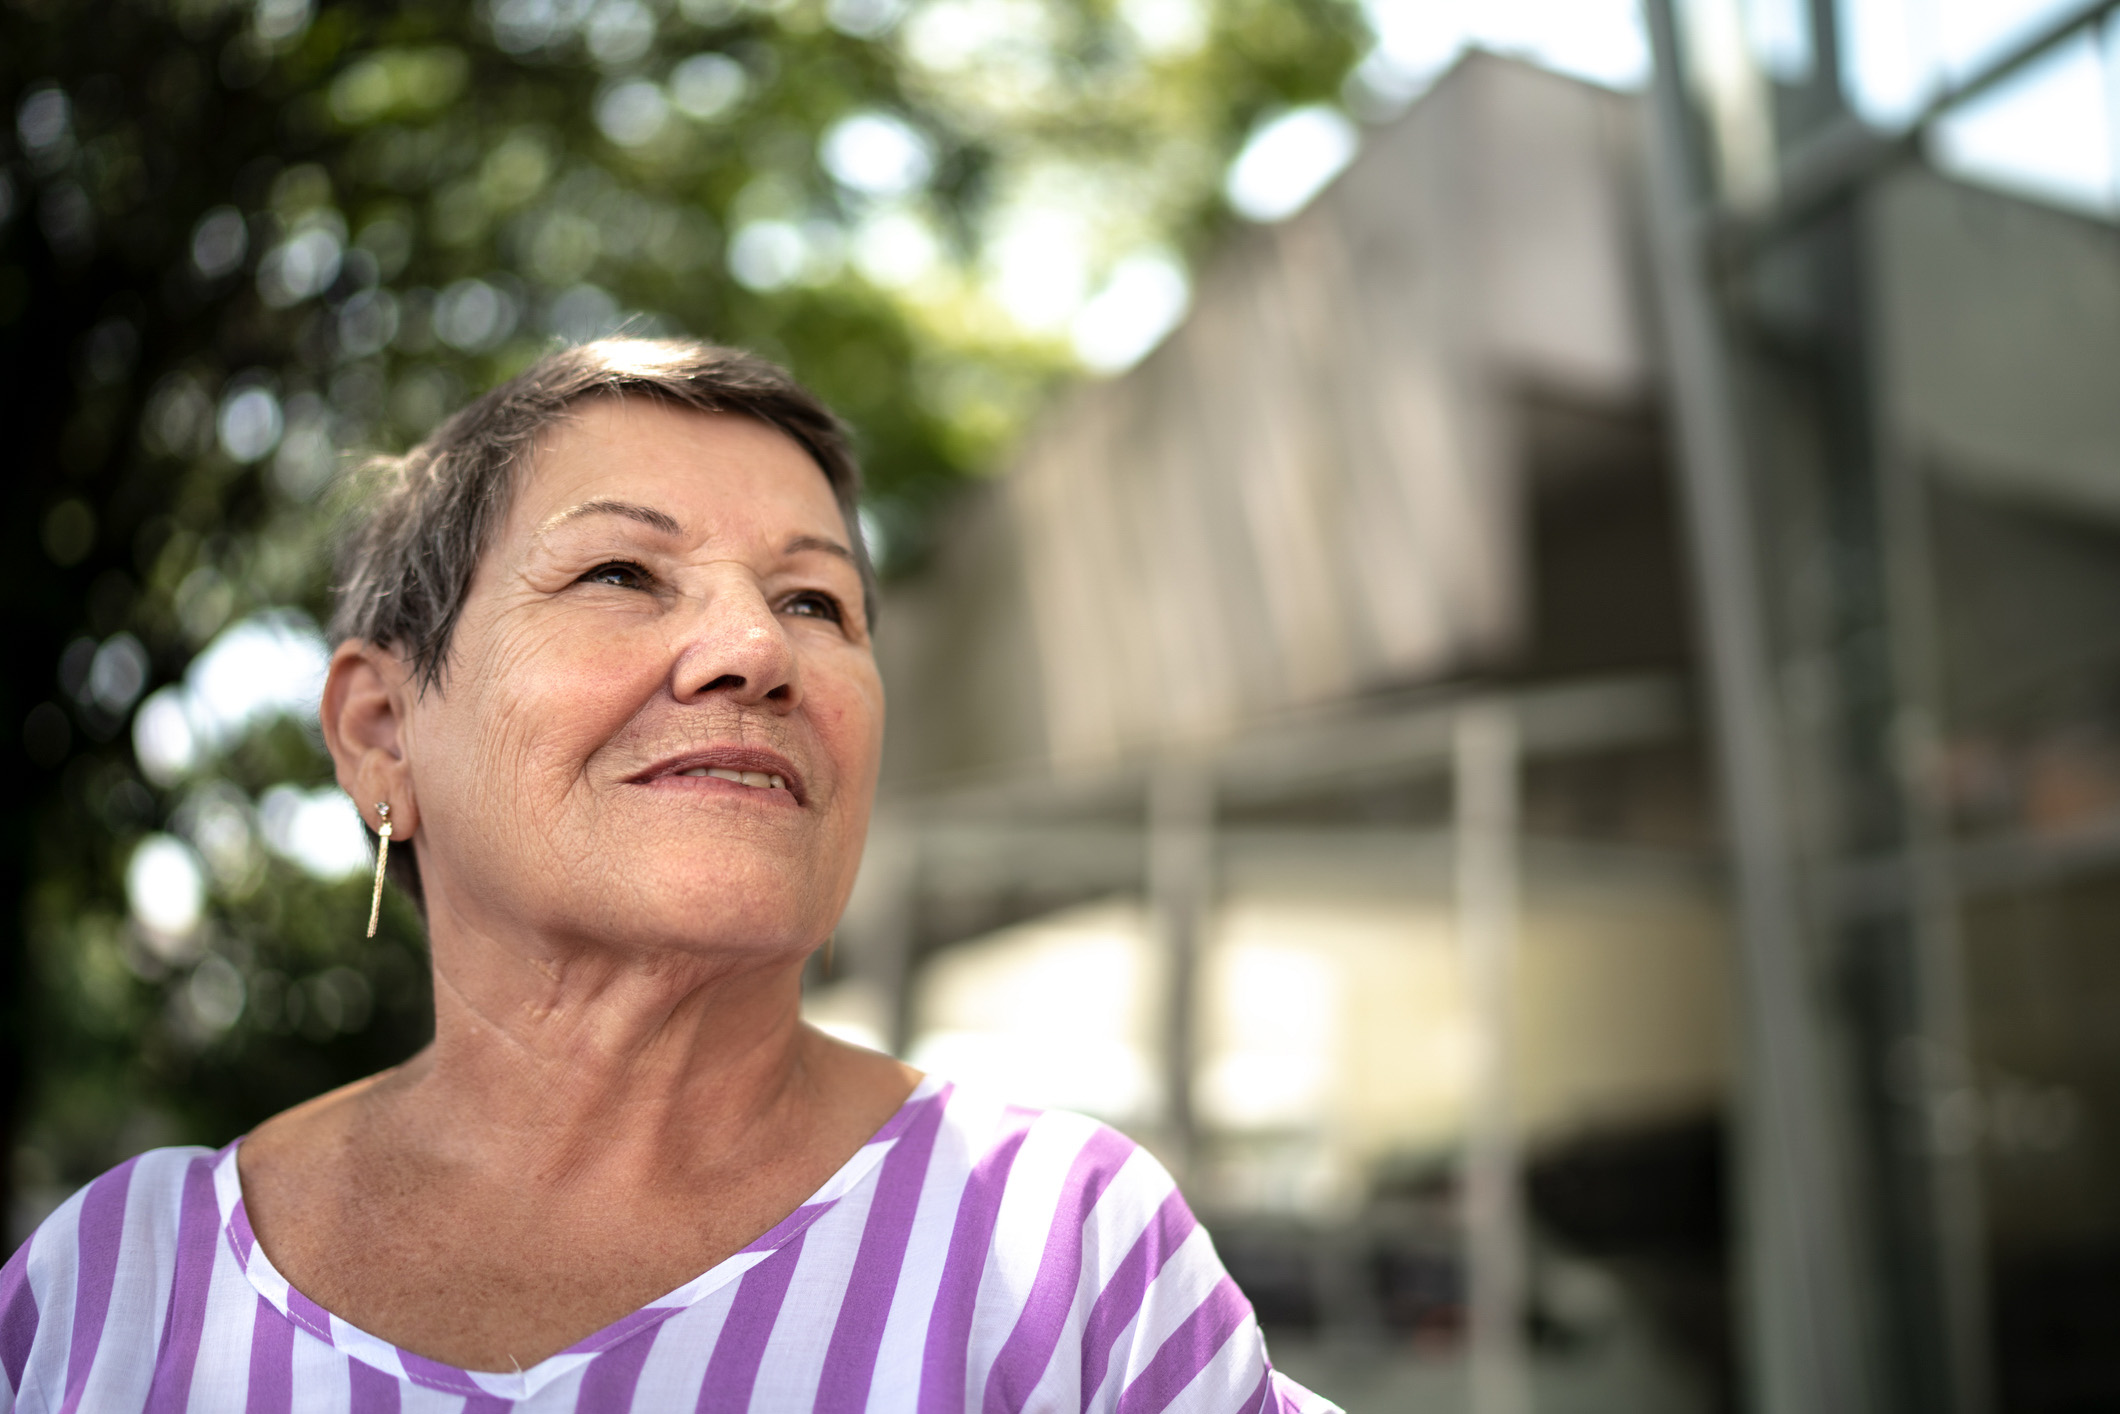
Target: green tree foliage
243, 244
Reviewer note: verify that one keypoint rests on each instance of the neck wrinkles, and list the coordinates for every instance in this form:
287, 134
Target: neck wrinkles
602, 1058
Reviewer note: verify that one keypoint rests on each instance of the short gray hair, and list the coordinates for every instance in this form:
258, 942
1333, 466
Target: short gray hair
422, 520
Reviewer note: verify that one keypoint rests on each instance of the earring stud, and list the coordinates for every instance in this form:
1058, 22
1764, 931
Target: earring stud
382, 857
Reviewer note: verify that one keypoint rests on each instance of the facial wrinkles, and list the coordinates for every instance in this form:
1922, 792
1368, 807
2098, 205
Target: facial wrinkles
497, 761
510, 720
522, 740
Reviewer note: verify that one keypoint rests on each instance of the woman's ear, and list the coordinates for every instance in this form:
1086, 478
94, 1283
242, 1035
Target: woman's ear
367, 693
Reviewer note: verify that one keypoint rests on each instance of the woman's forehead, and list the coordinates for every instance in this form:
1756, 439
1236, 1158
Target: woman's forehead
698, 468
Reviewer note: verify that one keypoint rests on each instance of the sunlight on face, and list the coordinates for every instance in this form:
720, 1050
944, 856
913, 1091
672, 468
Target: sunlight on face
661, 719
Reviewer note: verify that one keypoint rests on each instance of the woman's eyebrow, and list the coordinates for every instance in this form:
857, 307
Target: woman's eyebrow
818, 542
646, 515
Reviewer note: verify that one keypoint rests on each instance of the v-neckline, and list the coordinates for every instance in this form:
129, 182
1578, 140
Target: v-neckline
522, 1383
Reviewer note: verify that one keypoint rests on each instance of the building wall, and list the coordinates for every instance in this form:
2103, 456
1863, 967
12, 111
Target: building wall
1312, 490
2001, 334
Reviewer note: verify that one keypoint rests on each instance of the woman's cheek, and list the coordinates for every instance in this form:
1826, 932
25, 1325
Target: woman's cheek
849, 704
586, 671
518, 719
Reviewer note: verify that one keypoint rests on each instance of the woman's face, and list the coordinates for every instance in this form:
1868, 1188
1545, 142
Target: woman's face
661, 718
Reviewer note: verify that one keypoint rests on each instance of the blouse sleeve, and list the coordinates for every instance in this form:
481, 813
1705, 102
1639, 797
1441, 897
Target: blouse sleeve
1169, 1330
18, 1325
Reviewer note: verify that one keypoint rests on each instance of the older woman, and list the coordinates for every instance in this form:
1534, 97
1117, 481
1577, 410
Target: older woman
603, 668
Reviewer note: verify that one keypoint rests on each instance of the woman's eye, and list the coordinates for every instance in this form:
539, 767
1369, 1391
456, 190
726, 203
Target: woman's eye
814, 605
621, 573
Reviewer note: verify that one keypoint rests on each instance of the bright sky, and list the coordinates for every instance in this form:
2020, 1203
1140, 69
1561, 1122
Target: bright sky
2049, 133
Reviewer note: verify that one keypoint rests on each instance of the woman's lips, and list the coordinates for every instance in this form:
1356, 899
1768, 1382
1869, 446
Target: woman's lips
747, 768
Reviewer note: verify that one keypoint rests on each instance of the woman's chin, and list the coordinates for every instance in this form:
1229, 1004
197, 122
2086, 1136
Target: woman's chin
713, 917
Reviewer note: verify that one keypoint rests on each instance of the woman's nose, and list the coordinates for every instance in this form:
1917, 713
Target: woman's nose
735, 644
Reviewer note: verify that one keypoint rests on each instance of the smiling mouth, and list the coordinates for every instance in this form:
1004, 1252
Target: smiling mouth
748, 768
757, 780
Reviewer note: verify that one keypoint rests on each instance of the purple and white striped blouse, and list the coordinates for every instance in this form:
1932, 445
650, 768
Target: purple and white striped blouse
973, 1256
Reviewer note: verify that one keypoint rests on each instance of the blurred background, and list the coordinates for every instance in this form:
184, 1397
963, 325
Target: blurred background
1503, 619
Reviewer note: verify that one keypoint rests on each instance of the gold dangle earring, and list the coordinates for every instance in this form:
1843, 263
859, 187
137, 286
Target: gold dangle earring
382, 857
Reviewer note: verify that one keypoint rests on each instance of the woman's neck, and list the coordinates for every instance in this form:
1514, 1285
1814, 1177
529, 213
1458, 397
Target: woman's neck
555, 1058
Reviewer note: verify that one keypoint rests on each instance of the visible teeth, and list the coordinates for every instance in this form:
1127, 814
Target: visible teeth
758, 780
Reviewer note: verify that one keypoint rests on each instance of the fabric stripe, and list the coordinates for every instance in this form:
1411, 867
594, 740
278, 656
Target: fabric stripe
789, 1226
607, 1387
483, 1403
240, 1233
198, 1226
929, 1093
309, 1316
1261, 1399
926, 1094
318, 1374
1123, 1294
670, 1377
1281, 1394
850, 1361
18, 1316
372, 1391
223, 1372
1188, 1350
949, 1327
1051, 1300
732, 1371
271, 1363
973, 1123
102, 1234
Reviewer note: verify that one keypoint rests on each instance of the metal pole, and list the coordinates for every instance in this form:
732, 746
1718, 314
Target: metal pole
1902, 1010
1487, 912
1803, 1316
1181, 809
1940, 1073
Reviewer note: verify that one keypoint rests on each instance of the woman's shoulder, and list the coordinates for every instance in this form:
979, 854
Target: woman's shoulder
1054, 1162
100, 1268
121, 1221
1099, 1284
